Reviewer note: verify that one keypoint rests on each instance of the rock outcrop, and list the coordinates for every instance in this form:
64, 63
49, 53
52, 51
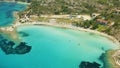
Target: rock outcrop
9, 47
85, 64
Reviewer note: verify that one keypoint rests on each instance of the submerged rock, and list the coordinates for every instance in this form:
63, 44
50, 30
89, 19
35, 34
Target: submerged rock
85, 64
8, 47
23, 34
22, 48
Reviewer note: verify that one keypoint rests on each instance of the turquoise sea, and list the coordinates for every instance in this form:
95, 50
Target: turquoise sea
6, 12
53, 47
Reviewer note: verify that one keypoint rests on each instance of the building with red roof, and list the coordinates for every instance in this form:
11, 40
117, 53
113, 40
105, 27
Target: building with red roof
101, 21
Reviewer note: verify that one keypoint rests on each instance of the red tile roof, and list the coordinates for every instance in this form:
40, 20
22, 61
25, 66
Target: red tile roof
102, 21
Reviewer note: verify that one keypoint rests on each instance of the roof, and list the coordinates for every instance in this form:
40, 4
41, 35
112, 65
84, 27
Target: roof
102, 21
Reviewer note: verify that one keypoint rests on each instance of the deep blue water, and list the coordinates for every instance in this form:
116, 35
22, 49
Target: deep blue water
6, 12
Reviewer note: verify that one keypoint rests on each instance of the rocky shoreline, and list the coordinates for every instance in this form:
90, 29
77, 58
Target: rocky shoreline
108, 60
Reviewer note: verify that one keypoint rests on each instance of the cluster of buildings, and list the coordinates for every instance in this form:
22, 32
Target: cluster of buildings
24, 19
92, 16
104, 22
83, 17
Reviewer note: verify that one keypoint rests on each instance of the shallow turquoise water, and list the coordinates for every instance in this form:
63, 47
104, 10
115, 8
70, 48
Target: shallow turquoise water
54, 47
6, 12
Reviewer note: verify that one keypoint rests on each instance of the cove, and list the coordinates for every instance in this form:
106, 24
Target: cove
54, 47
6, 12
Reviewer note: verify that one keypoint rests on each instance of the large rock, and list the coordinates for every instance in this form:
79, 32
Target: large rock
22, 48
8, 47
85, 64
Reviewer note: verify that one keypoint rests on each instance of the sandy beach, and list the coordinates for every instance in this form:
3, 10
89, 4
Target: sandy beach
11, 33
75, 28
17, 24
24, 3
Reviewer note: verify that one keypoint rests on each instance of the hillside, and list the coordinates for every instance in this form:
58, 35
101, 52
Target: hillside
72, 6
107, 9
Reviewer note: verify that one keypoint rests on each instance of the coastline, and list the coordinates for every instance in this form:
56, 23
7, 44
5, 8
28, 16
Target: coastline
14, 35
17, 2
23, 3
59, 25
10, 30
108, 59
17, 24
75, 28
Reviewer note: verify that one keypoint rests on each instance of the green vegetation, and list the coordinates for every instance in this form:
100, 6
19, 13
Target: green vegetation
115, 29
111, 30
24, 0
107, 9
39, 7
86, 24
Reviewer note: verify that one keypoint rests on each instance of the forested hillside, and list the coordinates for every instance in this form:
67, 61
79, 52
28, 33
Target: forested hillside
72, 6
